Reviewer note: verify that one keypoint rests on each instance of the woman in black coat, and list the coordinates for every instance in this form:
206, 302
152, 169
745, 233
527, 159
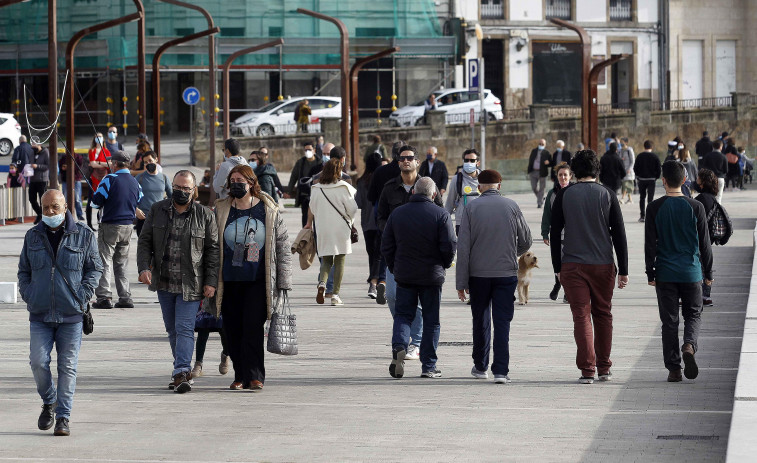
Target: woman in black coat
611, 168
707, 184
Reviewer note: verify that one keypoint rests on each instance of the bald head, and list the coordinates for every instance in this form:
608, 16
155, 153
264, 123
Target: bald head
22, 139
327, 148
53, 203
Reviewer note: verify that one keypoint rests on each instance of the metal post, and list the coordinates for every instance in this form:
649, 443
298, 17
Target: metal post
592, 91
225, 82
483, 117
52, 90
344, 71
141, 90
355, 121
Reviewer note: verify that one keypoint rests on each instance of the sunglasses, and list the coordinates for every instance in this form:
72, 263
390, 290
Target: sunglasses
470, 160
407, 158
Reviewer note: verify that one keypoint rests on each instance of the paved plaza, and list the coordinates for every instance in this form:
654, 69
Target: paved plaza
335, 401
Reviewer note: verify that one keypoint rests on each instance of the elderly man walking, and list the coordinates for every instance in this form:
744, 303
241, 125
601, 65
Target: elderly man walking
117, 195
539, 163
493, 233
57, 274
418, 244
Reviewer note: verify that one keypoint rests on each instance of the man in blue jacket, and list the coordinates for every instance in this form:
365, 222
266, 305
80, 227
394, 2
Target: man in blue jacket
418, 244
57, 274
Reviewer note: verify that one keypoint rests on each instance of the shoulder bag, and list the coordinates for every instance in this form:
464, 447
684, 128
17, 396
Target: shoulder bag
282, 333
354, 237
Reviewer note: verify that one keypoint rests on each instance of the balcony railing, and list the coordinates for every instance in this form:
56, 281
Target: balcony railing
559, 9
492, 9
695, 103
620, 10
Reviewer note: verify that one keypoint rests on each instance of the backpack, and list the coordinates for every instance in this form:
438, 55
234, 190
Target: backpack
719, 224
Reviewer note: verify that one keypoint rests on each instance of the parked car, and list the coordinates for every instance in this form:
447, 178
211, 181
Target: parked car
457, 102
277, 118
10, 132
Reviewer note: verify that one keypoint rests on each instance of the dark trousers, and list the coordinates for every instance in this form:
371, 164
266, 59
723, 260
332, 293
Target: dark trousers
492, 299
376, 265
202, 343
244, 315
668, 295
304, 205
36, 190
405, 309
140, 224
589, 290
646, 190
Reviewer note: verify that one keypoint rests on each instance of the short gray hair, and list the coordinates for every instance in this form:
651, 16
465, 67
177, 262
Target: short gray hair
425, 186
22, 139
560, 143
433, 149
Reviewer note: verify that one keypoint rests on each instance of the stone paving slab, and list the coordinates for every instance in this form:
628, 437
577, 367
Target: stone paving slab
335, 401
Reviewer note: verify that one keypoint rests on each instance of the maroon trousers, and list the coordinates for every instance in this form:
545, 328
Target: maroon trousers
589, 290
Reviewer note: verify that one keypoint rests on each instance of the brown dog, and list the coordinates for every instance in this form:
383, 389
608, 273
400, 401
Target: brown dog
526, 263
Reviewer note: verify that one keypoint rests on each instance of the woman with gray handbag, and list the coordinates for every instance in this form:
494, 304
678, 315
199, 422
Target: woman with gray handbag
256, 267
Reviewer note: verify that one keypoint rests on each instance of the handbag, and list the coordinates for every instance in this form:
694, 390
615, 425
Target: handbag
88, 323
354, 237
282, 333
207, 321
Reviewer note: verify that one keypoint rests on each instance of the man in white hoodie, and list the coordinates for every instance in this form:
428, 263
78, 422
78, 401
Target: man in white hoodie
231, 150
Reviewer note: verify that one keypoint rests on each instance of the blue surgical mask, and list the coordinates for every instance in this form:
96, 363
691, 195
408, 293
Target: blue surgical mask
100, 141
111, 135
430, 157
254, 165
54, 221
326, 158
469, 167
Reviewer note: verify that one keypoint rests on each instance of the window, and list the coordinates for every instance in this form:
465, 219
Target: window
184, 31
374, 32
232, 31
559, 9
492, 9
620, 10
275, 31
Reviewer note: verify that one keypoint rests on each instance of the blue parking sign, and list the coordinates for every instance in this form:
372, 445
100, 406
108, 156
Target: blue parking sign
473, 75
191, 96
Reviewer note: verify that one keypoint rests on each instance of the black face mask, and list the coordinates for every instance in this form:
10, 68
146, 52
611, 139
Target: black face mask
151, 168
237, 190
180, 197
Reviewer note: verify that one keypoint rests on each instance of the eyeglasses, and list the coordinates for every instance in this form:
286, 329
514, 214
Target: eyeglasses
470, 160
185, 189
406, 158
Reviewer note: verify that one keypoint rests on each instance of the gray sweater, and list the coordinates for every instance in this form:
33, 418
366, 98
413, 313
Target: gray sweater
458, 200
493, 233
42, 172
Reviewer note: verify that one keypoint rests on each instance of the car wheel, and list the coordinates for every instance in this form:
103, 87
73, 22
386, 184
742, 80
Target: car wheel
265, 130
491, 117
6, 146
419, 121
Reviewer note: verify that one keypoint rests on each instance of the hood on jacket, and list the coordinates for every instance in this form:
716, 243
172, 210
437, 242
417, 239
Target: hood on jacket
265, 169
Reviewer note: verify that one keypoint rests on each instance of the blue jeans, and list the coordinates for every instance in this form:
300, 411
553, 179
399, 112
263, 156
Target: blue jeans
416, 329
67, 340
492, 299
406, 312
179, 319
77, 192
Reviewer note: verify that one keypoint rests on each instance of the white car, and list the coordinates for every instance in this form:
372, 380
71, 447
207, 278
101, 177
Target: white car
457, 102
10, 132
277, 118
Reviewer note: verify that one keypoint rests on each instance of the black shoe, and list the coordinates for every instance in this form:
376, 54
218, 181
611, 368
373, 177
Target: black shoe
674, 376
381, 293
641, 219
555, 290
397, 367
124, 304
690, 369
181, 383
102, 304
707, 302
46, 418
61, 427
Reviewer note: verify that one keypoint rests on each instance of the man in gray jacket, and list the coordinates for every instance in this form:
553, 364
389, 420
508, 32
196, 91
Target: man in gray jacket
488, 271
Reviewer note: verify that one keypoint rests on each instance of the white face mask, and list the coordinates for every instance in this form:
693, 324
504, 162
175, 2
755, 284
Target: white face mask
680, 147
541, 147
308, 154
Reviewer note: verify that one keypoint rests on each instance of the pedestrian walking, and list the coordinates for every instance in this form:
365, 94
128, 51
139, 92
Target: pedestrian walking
718, 164
375, 147
418, 244
112, 144
628, 157
703, 146
376, 271
464, 185
436, 169
255, 269
265, 172
231, 150
40, 162
564, 175
117, 196
611, 169
648, 169
493, 233
78, 178
332, 213
178, 256
300, 170
734, 169
583, 261
22, 155
155, 187
678, 260
303, 117
707, 185
690, 171
57, 273
98, 162
539, 163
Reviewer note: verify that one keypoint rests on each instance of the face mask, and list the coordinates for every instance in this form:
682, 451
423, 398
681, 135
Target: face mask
100, 141
237, 190
326, 158
180, 197
469, 167
254, 165
54, 221
308, 154
151, 168
429, 157
111, 135
680, 147
541, 147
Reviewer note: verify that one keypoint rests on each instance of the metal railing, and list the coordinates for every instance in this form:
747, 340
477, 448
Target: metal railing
559, 9
270, 130
614, 108
14, 203
695, 103
519, 113
620, 10
565, 111
406, 121
492, 9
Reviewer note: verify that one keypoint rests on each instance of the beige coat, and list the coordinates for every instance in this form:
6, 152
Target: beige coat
331, 230
278, 257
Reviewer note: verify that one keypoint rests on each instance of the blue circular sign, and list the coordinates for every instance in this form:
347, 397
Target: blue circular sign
191, 95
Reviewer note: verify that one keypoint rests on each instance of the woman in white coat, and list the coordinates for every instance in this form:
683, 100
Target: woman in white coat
332, 209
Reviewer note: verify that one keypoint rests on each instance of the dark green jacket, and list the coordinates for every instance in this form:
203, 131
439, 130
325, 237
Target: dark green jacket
200, 250
265, 175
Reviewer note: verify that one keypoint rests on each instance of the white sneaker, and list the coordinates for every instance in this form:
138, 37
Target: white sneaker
501, 379
413, 353
372, 293
478, 374
335, 300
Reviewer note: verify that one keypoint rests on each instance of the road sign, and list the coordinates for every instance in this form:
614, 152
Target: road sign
473, 75
472, 117
191, 96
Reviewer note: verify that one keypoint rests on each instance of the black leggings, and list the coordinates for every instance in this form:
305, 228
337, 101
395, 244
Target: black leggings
202, 342
245, 311
646, 191
36, 190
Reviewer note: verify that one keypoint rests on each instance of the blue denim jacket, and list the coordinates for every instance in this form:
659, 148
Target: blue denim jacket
47, 296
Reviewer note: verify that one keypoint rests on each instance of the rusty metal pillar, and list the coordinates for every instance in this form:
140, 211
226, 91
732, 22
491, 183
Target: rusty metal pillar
156, 81
52, 87
344, 71
70, 49
585, 40
592, 92
225, 83
141, 86
355, 120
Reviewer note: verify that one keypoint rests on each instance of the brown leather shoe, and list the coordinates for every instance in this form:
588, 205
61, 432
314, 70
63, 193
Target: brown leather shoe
236, 386
675, 376
255, 386
690, 369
